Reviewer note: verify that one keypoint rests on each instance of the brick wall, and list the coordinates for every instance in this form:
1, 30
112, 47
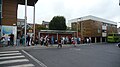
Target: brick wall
9, 12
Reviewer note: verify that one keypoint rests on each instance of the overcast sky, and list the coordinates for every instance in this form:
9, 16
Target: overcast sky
70, 9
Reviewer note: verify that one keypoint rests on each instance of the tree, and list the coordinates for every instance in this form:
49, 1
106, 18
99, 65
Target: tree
58, 23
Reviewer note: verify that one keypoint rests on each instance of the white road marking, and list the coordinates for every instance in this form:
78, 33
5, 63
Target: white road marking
39, 62
75, 49
24, 65
12, 57
9, 51
10, 54
13, 61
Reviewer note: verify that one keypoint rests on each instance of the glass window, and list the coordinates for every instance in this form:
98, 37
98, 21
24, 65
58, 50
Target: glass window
18, 23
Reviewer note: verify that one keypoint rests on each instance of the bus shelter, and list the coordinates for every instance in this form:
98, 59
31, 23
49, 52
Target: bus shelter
57, 34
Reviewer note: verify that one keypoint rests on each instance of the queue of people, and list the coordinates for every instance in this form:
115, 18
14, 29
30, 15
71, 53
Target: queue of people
7, 40
43, 40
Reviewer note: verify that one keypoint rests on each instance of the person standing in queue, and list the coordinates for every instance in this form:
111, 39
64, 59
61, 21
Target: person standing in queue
28, 40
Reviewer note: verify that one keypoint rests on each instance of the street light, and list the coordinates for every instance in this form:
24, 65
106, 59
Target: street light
77, 26
77, 29
25, 19
119, 2
34, 21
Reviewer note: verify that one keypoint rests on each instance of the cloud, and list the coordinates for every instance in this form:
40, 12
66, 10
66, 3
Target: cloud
47, 9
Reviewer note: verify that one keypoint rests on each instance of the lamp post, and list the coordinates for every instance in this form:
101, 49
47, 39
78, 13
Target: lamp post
77, 25
25, 19
119, 2
77, 29
34, 21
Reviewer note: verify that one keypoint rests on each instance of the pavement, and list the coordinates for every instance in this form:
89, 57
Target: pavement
44, 47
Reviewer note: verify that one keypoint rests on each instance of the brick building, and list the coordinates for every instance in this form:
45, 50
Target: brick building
93, 27
9, 10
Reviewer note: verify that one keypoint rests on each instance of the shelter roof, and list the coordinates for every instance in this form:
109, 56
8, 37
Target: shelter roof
29, 2
56, 31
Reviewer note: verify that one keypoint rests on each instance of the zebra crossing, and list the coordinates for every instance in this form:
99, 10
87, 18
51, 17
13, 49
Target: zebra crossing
14, 59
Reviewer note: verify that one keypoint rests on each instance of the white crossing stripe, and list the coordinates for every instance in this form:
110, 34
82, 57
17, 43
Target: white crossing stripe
12, 57
8, 57
13, 61
9, 51
10, 54
24, 65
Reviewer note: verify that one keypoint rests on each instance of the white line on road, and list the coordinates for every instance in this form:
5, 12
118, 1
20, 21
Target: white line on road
24, 65
9, 51
75, 49
12, 57
10, 54
14, 61
39, 62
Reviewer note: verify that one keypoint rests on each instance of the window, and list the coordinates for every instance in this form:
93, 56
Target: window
98, 29
104, 24
104, 31
18, 23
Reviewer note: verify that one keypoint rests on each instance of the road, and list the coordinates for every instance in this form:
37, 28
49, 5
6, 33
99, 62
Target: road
97, 55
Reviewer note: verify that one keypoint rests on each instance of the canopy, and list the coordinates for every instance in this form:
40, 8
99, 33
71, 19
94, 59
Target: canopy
29, 2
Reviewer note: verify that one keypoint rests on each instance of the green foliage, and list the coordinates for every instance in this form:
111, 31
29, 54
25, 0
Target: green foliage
58, 23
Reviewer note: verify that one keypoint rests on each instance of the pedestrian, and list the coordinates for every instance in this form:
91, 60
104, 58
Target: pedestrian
32, 40
8, 41
52, 40
46, 41
28, 40
73, 42
3, 40
11, 39
18, 40
36, 40
41, 40
88, 41
23, 40
59, 44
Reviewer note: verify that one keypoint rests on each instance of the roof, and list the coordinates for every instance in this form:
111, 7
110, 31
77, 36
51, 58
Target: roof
29, 2
56, 31
90, 17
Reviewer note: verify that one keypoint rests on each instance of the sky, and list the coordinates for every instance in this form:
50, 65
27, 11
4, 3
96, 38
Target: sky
71, 9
